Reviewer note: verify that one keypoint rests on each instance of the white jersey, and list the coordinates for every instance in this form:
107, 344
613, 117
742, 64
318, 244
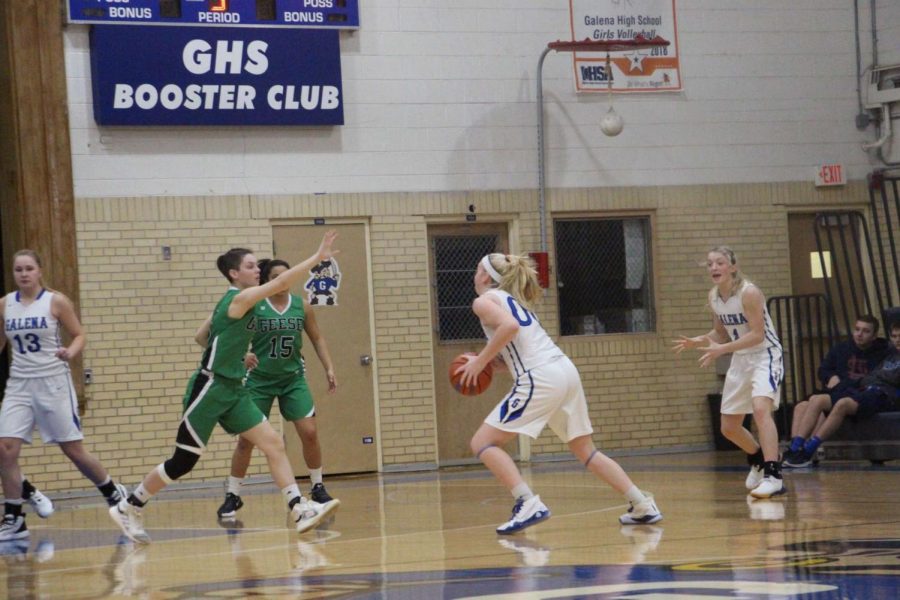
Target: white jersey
732, 316
531, 347
33, 335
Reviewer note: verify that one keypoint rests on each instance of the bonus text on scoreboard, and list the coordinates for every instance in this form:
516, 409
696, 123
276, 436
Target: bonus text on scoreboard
328, 14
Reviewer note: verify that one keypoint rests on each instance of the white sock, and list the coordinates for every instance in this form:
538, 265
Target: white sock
234, 485
522, 491
315, 476
634, 495
141, 494
290, 492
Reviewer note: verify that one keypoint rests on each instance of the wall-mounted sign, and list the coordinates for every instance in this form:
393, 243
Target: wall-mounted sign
647, 70
833, 174
146, 76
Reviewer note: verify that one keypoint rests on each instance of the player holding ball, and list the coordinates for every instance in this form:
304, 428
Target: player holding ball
482, 382
546, 391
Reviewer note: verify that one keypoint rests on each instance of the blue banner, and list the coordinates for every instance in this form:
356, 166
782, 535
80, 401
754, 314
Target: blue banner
146, 76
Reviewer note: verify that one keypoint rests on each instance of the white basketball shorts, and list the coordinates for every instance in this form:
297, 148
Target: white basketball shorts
752, 375
48, 402
550, 394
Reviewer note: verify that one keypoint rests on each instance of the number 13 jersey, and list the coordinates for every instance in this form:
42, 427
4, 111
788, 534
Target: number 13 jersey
33, 335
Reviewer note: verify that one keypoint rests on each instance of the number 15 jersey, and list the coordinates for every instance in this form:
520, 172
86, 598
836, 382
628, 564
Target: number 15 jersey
278, 338
33, 335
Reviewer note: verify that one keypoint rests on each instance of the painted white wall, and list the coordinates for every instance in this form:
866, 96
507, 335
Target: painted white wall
887, 14
440, 95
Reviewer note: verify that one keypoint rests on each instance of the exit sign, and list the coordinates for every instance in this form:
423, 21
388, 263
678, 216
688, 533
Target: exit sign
830, 175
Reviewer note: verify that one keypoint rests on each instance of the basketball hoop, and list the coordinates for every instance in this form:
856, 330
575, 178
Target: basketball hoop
587, 45
611, 124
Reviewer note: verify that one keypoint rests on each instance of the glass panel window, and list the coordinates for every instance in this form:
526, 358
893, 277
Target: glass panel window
455, 261
604, 275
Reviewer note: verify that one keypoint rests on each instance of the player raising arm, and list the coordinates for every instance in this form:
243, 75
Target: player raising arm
215, 394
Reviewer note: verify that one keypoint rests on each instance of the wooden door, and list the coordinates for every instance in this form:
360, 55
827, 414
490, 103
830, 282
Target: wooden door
804, 321
801, 235
340, 294
454, 252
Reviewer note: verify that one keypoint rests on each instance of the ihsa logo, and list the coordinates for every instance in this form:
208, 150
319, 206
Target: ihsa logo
594, 73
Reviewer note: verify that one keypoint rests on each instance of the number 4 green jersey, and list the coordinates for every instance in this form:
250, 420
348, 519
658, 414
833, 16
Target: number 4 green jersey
277, 341
228, 339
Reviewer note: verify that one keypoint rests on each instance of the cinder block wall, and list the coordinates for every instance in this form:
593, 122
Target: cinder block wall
141, 312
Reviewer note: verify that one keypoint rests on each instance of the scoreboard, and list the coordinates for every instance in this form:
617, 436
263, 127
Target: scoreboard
327, 14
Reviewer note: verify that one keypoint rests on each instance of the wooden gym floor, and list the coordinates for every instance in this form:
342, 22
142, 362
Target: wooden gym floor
431, 535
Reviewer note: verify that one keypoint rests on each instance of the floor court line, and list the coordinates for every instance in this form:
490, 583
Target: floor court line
398, 533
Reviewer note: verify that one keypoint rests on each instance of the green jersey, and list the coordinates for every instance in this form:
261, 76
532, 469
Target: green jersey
278, 341
228, 340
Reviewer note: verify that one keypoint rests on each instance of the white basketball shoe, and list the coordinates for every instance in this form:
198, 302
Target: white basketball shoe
525, 513
754, 477
129, 518
642, 513
308, 514
41, 504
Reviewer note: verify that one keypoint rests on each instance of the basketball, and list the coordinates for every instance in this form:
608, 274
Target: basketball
481, 383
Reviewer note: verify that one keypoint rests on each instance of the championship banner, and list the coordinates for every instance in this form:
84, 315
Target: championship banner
162, 75
648, 70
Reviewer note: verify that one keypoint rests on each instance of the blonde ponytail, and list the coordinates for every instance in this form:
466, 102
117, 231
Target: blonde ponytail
518, 277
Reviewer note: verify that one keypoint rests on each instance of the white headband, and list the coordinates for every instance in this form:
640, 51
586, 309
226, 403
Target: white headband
486, 263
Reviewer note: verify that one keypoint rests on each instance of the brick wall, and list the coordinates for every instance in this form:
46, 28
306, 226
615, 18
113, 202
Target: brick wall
141, 311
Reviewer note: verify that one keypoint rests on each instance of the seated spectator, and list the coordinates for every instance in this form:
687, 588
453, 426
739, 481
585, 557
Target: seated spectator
879, 391
848, 362
844, 365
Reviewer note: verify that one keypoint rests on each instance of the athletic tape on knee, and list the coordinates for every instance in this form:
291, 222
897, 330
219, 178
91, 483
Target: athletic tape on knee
480, 452
161, 471
591, 457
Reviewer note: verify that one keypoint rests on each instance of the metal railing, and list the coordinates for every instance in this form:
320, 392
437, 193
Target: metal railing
884, 201
805, 327
852, 281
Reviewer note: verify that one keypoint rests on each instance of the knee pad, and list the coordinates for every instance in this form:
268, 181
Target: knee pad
180, 464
